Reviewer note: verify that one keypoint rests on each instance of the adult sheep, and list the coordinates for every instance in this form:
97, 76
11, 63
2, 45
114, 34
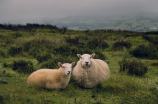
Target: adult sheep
52, 78
89, 72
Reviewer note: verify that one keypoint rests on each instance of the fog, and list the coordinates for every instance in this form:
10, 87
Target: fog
37, 11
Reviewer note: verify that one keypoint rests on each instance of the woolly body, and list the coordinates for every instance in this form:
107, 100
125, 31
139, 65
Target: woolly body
51, 78
89, 77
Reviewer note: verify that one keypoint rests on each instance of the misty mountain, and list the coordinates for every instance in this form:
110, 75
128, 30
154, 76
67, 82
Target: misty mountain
130, 21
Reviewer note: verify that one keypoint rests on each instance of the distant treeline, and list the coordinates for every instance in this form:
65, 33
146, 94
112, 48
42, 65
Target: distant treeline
152, 32
29, 26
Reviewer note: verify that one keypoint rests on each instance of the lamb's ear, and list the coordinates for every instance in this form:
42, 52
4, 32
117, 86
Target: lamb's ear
92, 55
79, 55
60, 64
72, 63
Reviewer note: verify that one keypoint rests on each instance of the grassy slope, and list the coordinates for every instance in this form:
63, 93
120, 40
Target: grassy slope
120, 88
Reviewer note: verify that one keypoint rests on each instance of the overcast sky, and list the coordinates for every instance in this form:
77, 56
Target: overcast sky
12, 11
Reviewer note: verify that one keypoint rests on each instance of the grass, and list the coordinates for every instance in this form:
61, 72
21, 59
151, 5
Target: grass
120, 88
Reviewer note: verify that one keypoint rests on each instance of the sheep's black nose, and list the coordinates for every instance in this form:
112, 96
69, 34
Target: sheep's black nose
86, 63
69, 72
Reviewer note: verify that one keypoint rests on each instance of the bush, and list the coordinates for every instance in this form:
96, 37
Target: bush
14, 50
143, 51
99, 55
63, 49
3, 97
2, 54
26, 47
16, 35
97, 43
153, 39
120, 44
133, 67
23, 66
43, 57
37, 45
104, 45
73, 41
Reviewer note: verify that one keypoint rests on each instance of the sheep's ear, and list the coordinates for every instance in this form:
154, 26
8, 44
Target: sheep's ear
72, 63
92, 55
60, 64
79, 55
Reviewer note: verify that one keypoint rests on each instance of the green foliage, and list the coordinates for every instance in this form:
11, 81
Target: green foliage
143, 51
73, 41
154, 91
16, 35
49, 46
99, 55
97, 43
4, 96
23, 66
37, 45
14, 50
118, 45
133, 67
2, 53
43, 57
63, 49
151, 38
53, 62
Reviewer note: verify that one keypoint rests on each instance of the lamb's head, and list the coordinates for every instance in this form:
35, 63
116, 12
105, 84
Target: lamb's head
66, 67
86, 59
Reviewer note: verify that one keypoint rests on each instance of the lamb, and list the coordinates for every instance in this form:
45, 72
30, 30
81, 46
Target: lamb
89, 72
52, 78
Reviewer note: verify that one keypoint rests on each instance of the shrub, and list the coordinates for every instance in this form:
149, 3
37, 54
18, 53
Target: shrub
97, 43
14, 50
153, 55
93, 44
3, 97
16, 35
63, 49
143, 51
43, 57
99, 55
26, 47
104, 45
23, 66
2, 54
133, 67
140, 51
74, 41
153, 39
120, 44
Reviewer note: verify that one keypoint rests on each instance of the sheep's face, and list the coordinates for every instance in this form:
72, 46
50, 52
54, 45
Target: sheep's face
66, 67
86, 59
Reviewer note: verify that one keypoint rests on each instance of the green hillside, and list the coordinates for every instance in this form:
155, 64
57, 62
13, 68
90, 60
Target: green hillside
26, 48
